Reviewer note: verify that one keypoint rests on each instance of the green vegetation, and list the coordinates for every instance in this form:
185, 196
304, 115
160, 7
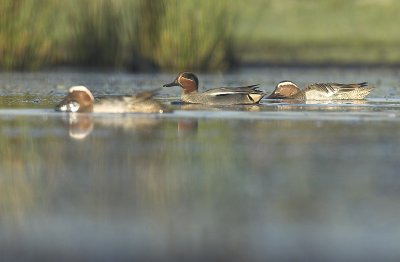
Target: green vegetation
191, 35
25, 42
98, 33
334, 31
133, 33
194, 34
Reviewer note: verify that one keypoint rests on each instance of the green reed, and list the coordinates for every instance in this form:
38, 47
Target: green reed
25, 33
98, 32
187, 34
164, 34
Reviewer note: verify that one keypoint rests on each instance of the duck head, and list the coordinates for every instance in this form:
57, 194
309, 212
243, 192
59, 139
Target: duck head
79, 99
187, 80
284, 89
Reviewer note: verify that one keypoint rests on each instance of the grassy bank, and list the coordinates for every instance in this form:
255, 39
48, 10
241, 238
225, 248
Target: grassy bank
196, 35
335, 31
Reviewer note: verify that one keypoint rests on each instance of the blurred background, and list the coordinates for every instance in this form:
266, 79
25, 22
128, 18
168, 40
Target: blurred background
197, 35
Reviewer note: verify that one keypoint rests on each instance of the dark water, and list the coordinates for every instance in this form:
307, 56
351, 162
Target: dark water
277, 181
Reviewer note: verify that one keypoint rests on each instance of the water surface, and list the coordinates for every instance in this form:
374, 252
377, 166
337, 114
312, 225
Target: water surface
314, 181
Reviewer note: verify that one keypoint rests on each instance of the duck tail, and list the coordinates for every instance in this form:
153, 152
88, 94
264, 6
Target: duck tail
365, 86
254, 87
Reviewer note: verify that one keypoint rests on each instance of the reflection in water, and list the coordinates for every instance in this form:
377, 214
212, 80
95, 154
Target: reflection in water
80, 125
188, 126
202, 107
252, 188
337, 102
317, 105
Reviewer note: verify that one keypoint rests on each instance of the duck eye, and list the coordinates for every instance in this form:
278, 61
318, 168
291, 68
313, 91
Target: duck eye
190, 77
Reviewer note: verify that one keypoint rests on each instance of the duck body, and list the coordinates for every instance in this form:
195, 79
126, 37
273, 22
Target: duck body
142, 102
80, 99
321, 91
243, 95
225, 96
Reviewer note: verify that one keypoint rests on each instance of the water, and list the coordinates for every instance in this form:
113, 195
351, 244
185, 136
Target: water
276, 181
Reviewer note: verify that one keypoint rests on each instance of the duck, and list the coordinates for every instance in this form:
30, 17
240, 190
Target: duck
80, 99
321, 91
242, 95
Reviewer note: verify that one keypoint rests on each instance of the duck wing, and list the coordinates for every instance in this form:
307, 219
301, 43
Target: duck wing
141, 96
221, 91
145, 95
331, 89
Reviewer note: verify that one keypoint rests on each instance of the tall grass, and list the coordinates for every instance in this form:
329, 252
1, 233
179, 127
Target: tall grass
98, 32
164, 34
187, 34
25, 33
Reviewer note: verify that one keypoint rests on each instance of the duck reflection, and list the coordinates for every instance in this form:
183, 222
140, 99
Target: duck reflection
202, 107
187, 126
80, 125
312, 105
337, 102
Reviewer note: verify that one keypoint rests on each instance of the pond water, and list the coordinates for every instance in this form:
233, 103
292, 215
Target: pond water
273, 181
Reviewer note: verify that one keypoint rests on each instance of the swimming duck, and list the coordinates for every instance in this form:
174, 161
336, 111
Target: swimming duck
217, 96
321, 91
80, 99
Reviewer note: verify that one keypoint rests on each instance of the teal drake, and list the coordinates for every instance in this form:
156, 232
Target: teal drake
242, 95
321, 91
80, 99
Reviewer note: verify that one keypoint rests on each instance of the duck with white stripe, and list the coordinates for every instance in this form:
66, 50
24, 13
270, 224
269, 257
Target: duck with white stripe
321, 91
242, 95
80, 99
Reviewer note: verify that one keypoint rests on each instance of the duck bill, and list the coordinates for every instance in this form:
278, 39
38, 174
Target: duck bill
67, 105
62, 106
171, 84
275, 96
